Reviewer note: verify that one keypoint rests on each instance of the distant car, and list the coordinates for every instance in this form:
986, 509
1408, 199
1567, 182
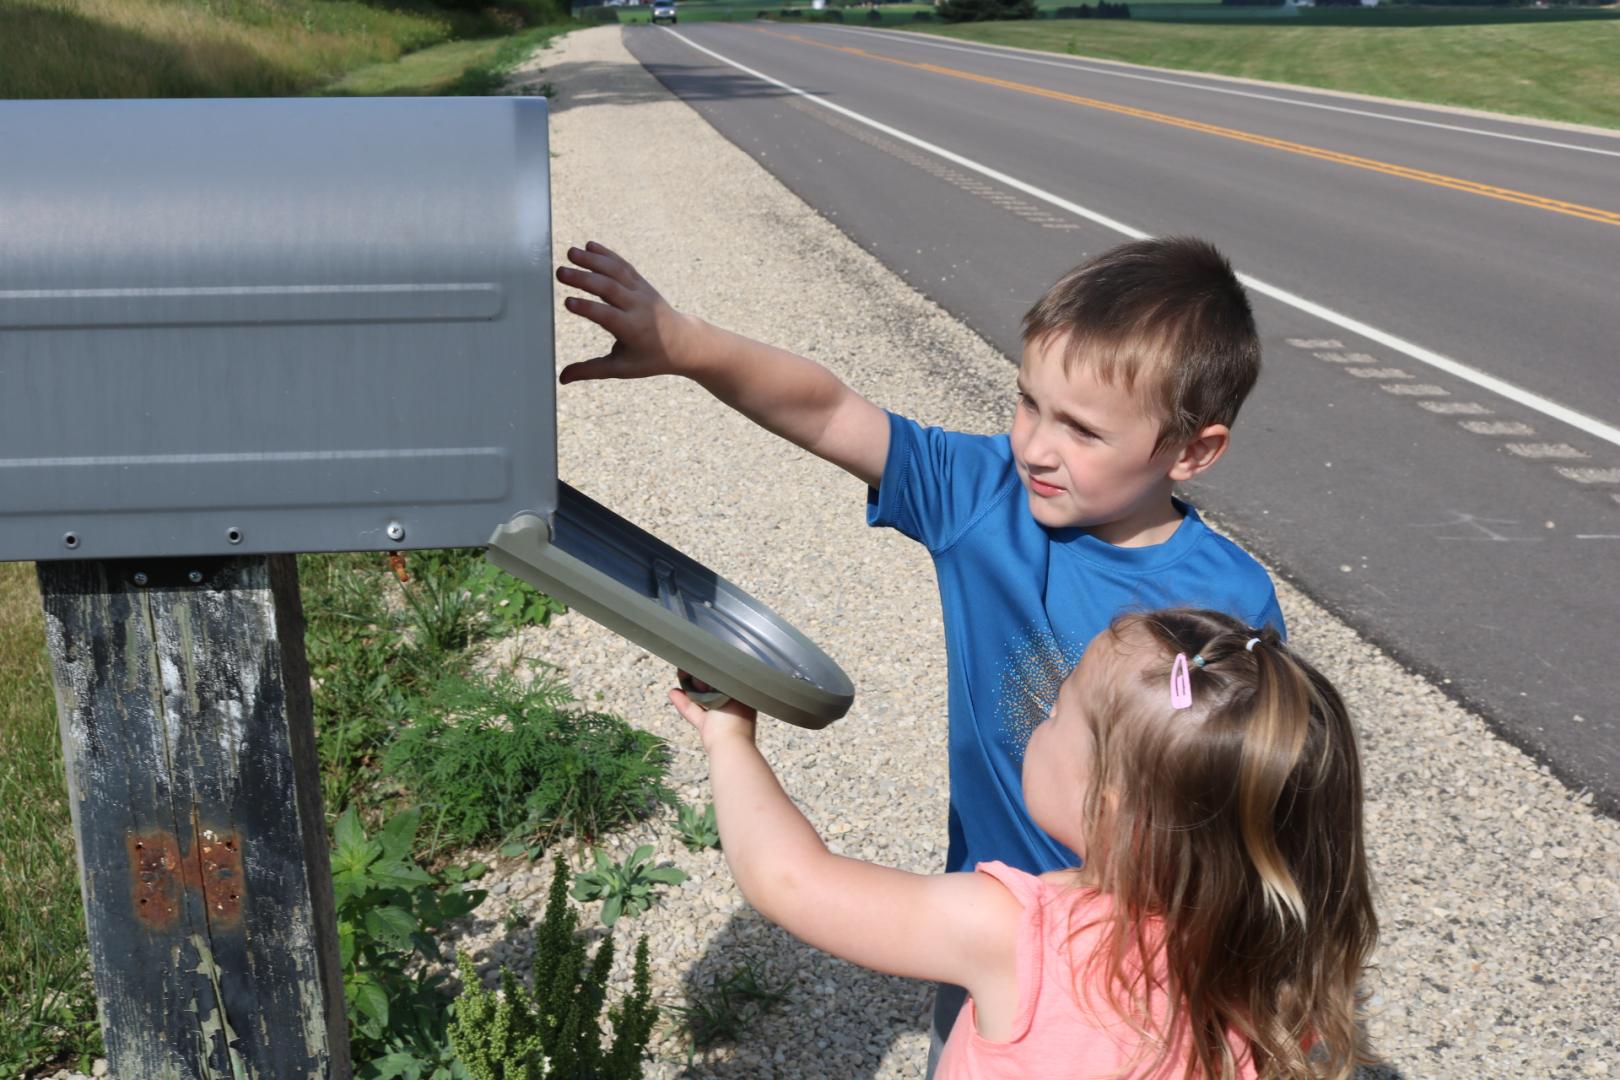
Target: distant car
663, 10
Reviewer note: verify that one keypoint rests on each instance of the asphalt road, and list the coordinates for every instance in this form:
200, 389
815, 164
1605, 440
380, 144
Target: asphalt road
1434, 448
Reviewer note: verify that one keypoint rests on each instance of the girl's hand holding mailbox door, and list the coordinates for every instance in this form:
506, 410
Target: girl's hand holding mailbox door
785, 394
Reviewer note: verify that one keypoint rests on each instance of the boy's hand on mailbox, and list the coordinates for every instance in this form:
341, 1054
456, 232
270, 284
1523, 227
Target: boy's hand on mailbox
650, 337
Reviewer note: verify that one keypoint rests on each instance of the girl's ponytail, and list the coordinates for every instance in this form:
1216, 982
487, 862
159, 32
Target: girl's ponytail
1276, 734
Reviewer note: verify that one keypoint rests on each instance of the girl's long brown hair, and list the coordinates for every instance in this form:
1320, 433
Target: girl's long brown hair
1229, 837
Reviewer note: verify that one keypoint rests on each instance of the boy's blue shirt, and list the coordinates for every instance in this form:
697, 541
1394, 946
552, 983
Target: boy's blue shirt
1020, 603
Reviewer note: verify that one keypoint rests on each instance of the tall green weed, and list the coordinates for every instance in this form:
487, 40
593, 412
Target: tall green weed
555, 1031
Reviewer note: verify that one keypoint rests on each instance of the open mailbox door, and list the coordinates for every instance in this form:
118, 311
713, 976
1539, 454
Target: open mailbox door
643, 589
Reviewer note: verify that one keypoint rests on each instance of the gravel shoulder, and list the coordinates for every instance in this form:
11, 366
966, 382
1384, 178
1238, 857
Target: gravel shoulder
1499, 889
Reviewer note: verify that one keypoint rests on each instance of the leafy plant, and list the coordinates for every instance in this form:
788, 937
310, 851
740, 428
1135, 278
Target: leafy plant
627, 888
727, 1007
389, 911
509, 602
554, 1032
492, 759
697, 828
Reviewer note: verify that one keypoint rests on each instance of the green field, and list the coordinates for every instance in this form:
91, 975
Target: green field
1554, 64
1559, 64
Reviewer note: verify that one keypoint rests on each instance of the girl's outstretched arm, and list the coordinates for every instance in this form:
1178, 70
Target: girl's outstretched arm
954, 928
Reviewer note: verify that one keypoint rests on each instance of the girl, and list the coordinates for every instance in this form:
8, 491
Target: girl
1209, 778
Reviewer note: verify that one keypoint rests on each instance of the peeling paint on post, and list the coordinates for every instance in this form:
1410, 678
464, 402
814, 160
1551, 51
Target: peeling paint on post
192, 776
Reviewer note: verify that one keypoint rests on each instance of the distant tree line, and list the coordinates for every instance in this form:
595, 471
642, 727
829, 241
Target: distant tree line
985, 10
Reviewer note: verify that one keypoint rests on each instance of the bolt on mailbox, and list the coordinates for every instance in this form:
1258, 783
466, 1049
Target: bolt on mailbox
270, 326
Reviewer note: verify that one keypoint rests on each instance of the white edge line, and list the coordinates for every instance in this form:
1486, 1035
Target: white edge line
1013, 53
1580, 421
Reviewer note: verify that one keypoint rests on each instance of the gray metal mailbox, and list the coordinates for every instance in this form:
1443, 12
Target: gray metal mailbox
269, 326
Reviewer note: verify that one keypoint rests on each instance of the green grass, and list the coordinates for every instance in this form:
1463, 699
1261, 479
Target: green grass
192, 48
478, 66
1553, 64
47, 1012
251, 48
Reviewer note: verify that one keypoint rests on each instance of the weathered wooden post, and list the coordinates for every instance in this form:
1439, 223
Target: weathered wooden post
234, 330
184, 704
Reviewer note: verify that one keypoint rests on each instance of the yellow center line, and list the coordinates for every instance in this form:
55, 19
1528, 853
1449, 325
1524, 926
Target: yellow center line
1405, 172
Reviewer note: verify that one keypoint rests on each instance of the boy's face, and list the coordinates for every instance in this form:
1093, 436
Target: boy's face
1084, 449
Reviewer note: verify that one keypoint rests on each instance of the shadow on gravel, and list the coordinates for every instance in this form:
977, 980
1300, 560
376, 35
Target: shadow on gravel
1379, 1072
836, 1020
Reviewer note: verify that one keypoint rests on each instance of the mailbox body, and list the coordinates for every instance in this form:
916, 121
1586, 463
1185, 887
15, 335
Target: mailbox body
246, 326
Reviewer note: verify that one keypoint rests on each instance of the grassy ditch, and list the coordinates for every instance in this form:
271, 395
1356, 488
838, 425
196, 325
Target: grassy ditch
1555, 64
258, 48
456, 68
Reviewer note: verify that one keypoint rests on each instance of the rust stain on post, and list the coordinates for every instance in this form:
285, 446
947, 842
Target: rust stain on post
156, 883
220, 872
160, 873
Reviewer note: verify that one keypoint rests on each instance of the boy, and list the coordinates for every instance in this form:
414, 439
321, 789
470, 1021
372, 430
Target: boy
1134, 367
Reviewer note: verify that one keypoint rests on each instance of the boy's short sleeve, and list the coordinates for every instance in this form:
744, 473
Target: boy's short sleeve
935, 483
1271, 615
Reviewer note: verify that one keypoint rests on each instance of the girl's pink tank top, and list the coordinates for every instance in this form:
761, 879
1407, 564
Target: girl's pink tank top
1063, 1028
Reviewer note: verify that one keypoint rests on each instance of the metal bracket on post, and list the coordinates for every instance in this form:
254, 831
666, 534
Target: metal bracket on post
160, 873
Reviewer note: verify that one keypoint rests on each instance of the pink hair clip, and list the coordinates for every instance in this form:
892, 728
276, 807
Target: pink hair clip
1180, 684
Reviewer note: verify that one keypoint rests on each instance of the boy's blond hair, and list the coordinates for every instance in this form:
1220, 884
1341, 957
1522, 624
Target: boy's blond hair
1167, 319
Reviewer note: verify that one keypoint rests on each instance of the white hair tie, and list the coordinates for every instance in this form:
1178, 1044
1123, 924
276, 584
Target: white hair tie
1252, 643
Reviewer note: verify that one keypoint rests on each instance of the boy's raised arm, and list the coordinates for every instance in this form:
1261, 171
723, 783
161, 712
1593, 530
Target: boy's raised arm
786, 394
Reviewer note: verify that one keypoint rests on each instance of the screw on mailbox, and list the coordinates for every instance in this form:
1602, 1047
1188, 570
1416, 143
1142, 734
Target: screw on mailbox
195, 577
396, 531
140, 578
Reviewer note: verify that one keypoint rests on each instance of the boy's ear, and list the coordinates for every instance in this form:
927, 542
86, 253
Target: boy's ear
1204, 450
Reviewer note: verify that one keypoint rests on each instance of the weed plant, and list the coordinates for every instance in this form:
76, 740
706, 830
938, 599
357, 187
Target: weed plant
494, 759
364, 675
556, 1031
626, 888
697, 829
727, 1007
